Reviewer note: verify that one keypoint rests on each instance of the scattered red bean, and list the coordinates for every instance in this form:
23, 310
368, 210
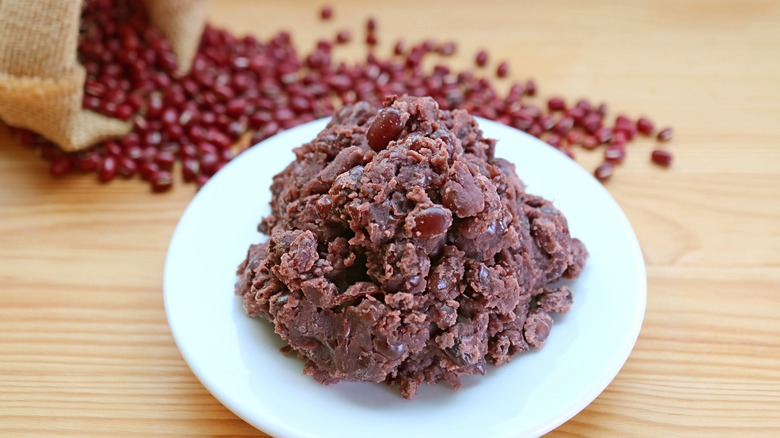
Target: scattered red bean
618, 139
127, 167
447, 49
574, 137
162, 181
124, 111
615, 154
146, 169
201, 180
399, 48
530, 88
603, 134
661, 157
645, 126
502, 70
482, 58
556, 104
564, 125
242, 86
604, 172
589, 142
664, 134
59, 167
626, 126
108, 169
591, 123
209, 163
165, 160
343, 37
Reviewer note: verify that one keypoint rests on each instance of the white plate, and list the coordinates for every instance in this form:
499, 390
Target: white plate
238, 360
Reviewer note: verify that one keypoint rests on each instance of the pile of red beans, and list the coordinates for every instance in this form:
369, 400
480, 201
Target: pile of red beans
240, 91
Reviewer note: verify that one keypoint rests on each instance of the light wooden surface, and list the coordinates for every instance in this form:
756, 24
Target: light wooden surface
85, 349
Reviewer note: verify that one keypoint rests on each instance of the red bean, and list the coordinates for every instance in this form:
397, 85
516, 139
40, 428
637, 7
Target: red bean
574, 137
343, 37
556, 104
188, 151
554, 140
174, 132
399, 48
165, 160
218, 138
661, 157
645, 126
589, 142
152, 138
162, 181
502, 70
431, 222
482, 58
266, 86
208, 163
604, 172
618, 138
447, 49
577, 114
626, 126
124, 111
615, 154
530, 88
91, 103
88, 162
113, 148
546, 122
665, 134
169, 116
108, 169
235, 108
201, 180
387, 126
564, 125
603, 134
623, 120
190, 168
127, 167
585, 105
536, 130
591, 123
146, 169
60, 167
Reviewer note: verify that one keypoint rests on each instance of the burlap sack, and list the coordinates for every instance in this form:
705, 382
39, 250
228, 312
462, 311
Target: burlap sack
41, 82
182, 23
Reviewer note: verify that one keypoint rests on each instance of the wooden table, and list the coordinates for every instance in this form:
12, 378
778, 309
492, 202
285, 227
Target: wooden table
85, 349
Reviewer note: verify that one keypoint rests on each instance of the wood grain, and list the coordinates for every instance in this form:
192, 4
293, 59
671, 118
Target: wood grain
85, 349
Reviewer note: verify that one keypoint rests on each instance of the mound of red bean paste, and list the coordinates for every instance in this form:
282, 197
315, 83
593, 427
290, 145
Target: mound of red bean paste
403, 251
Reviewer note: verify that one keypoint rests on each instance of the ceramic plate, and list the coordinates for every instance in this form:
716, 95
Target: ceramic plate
238, 360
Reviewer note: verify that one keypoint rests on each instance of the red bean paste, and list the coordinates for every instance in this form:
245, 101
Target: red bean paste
402, 250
